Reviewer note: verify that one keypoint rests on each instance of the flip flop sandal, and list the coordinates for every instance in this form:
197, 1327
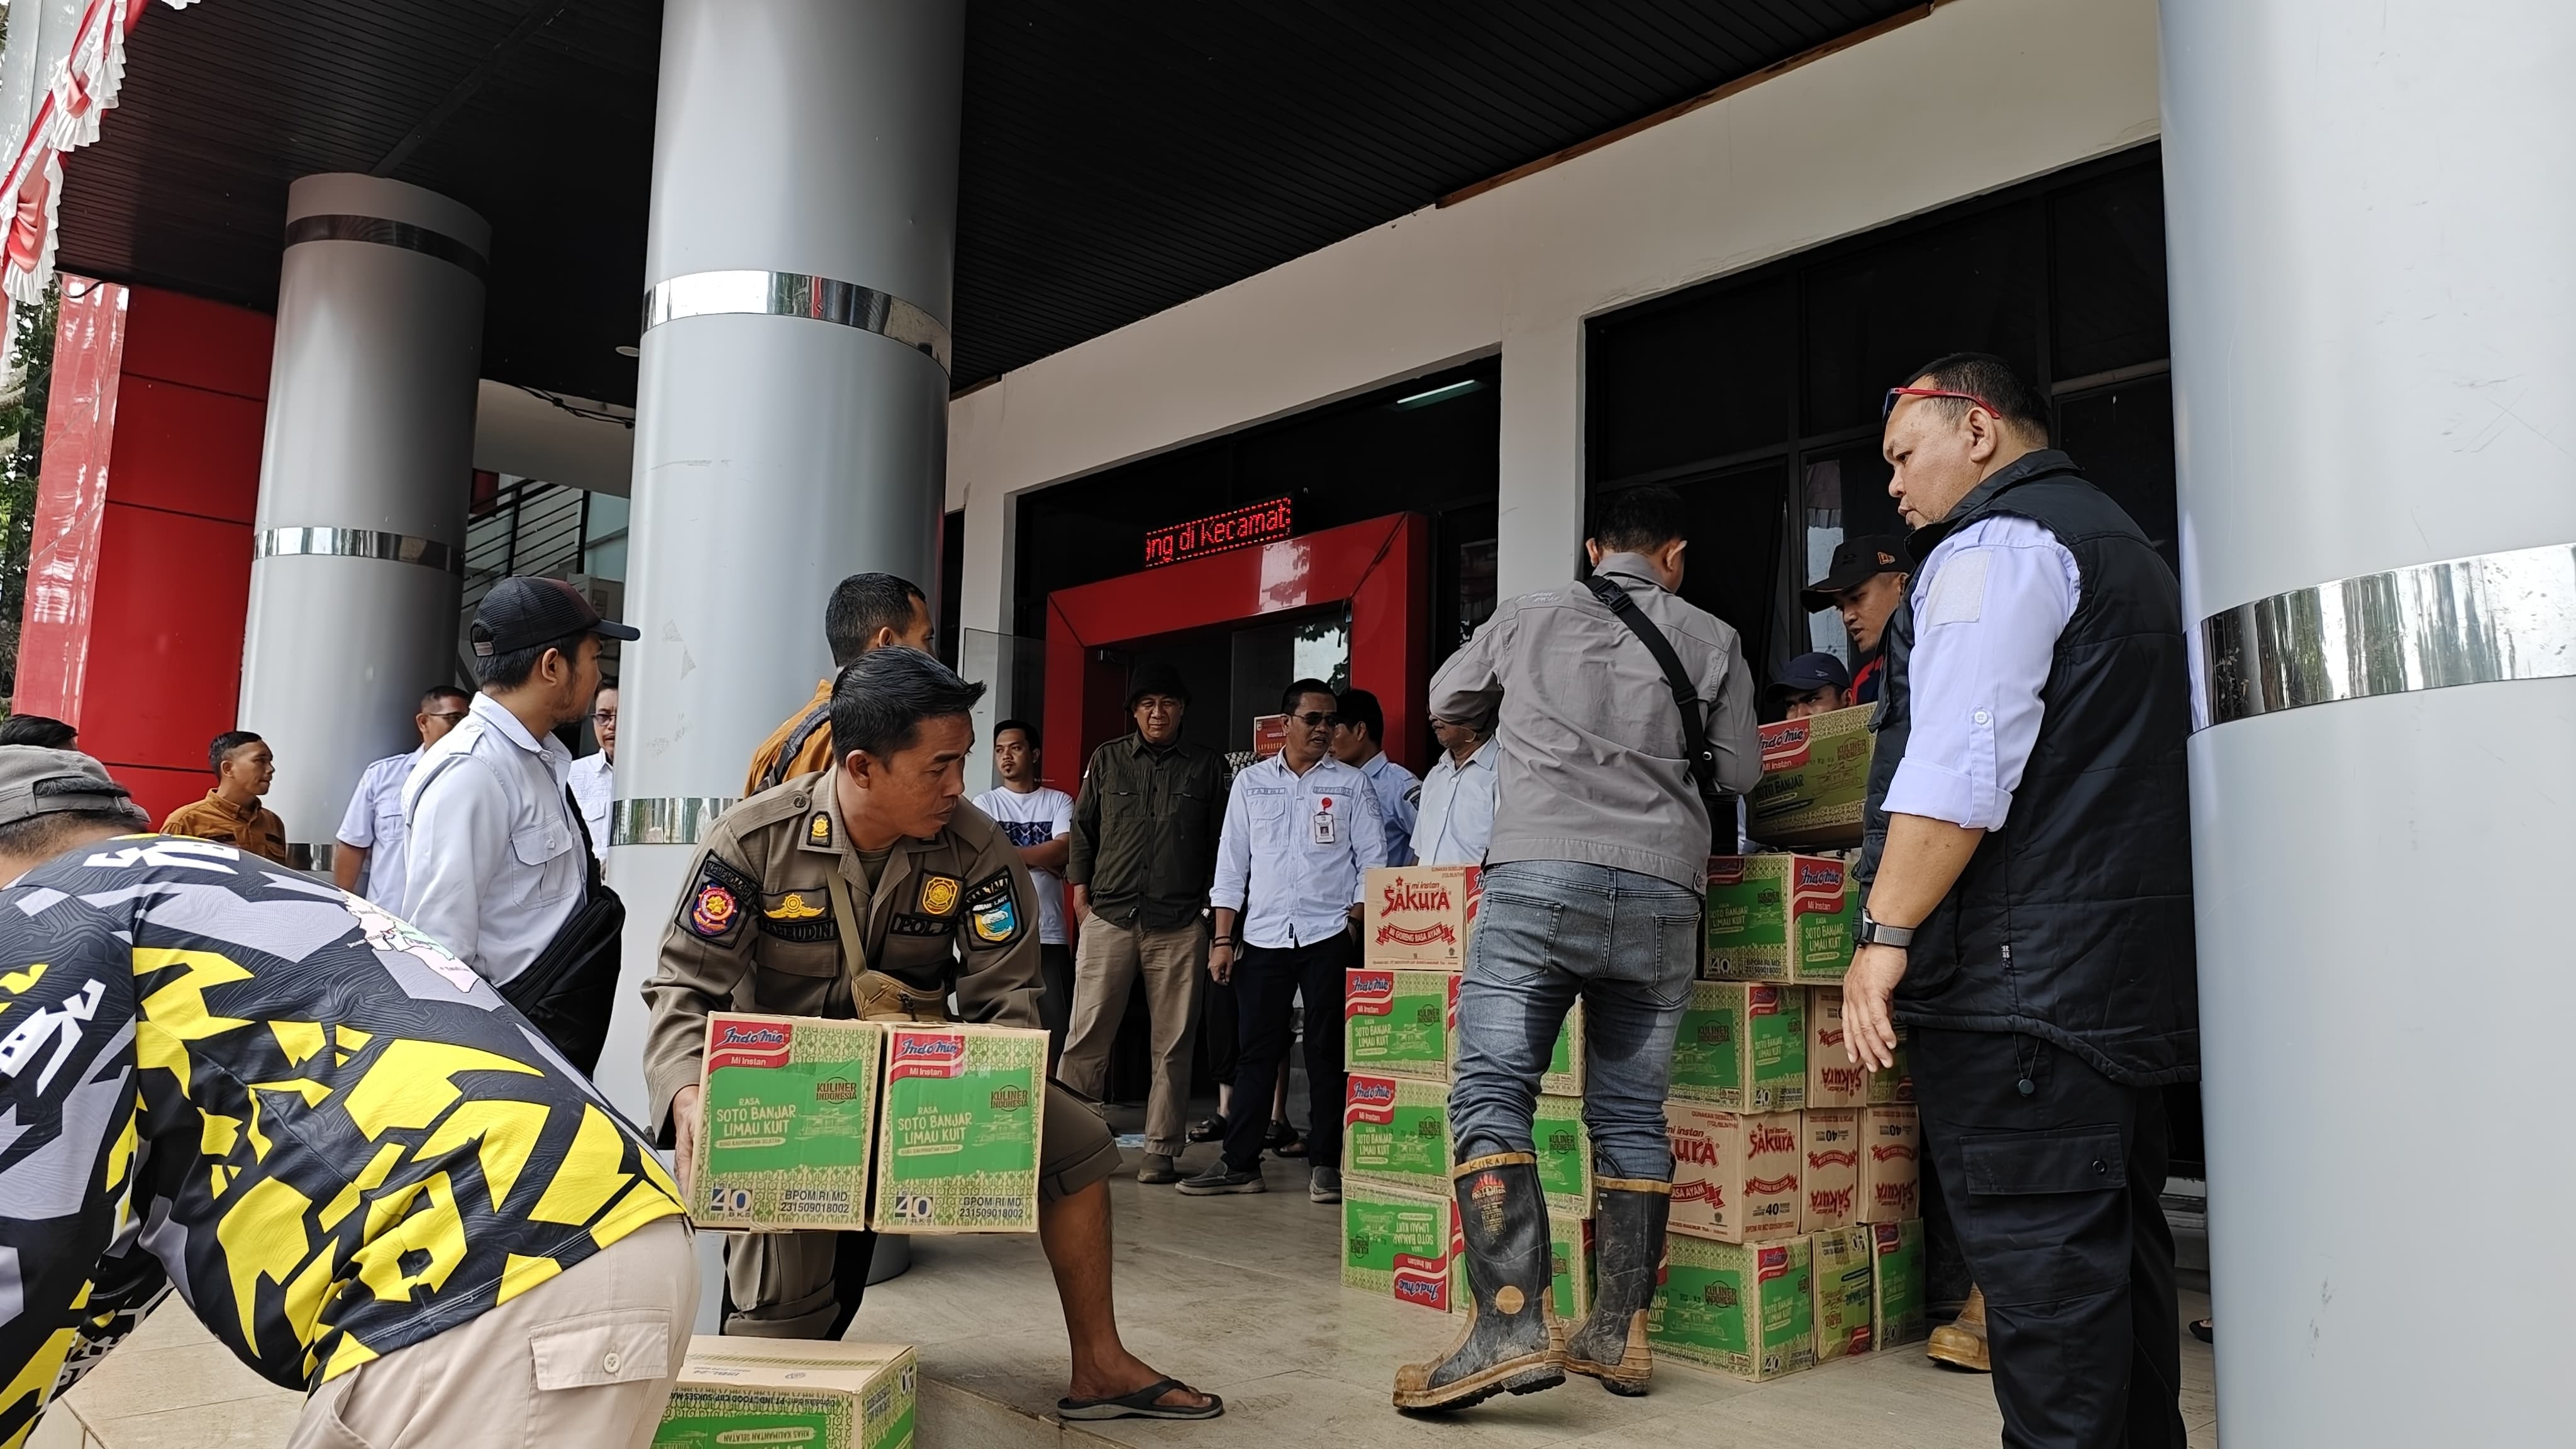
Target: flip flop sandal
1140, 1405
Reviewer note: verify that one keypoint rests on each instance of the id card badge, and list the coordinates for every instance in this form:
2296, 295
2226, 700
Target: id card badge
1321, 830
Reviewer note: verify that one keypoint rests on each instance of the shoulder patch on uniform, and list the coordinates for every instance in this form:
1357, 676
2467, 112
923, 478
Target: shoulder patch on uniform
939, 894
993, 908
908, 925
818, 831
1413, 796
712, 910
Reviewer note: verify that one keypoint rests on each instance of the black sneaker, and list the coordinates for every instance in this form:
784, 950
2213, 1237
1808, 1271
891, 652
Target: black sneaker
1208, 1129
1221, 1179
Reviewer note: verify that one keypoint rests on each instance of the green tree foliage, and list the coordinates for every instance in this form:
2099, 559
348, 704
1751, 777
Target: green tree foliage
22, 448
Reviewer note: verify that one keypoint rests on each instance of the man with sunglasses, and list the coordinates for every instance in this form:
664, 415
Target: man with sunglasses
1301, 834
2027, 869
369, 859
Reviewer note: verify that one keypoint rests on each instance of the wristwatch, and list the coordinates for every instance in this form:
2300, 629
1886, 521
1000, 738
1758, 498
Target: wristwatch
1875, 932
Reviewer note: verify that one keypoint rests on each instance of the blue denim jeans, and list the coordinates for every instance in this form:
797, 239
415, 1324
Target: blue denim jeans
1549, 932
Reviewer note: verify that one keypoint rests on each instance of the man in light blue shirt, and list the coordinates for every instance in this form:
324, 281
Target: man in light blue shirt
1359, 741
1301, 834
369, 860
1457, 819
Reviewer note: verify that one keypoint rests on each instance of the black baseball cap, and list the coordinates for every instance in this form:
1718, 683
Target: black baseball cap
36, 781
523, 612
1855, 560
1810, 672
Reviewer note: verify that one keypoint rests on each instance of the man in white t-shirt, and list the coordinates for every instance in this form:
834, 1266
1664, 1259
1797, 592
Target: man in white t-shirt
369, 860
1040, 822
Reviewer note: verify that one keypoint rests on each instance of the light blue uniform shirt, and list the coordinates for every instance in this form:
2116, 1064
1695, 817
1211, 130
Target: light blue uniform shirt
374, 824
1396, 790
1295, 850
1988, 607
1457, 819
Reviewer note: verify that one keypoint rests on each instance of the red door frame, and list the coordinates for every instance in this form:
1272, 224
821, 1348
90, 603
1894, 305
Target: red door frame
1381, 568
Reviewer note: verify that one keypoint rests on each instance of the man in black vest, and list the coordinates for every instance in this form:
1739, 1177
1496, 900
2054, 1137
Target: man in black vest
2028, 916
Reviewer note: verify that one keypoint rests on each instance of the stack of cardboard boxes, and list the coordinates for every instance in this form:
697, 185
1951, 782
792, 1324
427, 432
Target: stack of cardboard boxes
1400, 1009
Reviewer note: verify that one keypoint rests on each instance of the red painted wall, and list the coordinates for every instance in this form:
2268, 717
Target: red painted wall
140, 577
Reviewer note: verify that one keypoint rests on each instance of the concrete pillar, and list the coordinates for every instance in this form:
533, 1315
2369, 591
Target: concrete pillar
365, 474
791, 418
1539, 521
2374, 339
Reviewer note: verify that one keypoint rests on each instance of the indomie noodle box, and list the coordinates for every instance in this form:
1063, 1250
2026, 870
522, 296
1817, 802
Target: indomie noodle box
787, 1119
1896, 1286
1846, 1277
1743, 1309
1815, 775
1397, 1244
802, 1393
957, 1144
1395, 1131
1742, 1045
1396, 1021
1419, 915
1781, 918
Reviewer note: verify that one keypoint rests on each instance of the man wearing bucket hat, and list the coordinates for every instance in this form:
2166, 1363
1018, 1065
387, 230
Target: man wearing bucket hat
369, 1177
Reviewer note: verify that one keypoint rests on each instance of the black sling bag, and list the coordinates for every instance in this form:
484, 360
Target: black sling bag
569, 991
1695, 747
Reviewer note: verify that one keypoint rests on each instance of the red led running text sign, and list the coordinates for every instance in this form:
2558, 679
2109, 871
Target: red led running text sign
1235, 528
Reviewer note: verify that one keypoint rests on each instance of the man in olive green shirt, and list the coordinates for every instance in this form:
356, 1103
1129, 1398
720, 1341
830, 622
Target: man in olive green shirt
1144, 849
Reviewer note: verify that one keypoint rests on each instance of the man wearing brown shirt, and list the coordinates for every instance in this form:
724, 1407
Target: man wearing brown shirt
867, 611
231, 812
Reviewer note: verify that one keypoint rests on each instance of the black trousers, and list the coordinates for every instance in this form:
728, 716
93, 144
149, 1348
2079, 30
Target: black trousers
1266, 984
2052, 1173
1055, 1002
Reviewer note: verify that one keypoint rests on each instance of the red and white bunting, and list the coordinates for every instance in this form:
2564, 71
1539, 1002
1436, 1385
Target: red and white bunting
82, 89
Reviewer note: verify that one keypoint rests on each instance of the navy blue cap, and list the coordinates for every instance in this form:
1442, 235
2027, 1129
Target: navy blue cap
1810, 672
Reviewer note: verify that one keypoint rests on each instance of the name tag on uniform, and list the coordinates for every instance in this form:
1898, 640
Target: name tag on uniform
1321, 830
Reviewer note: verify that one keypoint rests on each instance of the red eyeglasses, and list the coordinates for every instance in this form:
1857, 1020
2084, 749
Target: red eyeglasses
1888, 409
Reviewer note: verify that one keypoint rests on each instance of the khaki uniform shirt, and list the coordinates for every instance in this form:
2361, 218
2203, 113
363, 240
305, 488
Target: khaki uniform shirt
256, 830
800, 746
758, 930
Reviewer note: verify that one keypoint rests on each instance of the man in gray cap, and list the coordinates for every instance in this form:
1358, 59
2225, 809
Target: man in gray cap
495, 864
1144, 849
370, 1178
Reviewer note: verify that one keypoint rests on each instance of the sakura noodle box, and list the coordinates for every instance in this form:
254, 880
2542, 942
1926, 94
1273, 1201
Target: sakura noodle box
1419, 915
957, 1143
788, 1106
1815, 772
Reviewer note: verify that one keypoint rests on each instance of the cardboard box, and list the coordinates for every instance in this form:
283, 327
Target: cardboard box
1419, 915
1395, 1131
787, 1121
1564, 1073
1742, 1045
1896, 1284
1829, 1141
957, 1142
1735, 1176
1570, 1265
1564, 1155
1396, 1244
1832, 1080
812, 1394
1395, 1022
1780, 918
1845, 1275
1746, 1310
1891, 1144
1815, 773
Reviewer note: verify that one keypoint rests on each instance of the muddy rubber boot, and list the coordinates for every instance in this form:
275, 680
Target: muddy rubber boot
1962, 1344
1628, 1249
1511, 1343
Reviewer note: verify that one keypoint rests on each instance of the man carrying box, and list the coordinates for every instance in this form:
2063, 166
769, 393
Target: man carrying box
1592, 887
874, 891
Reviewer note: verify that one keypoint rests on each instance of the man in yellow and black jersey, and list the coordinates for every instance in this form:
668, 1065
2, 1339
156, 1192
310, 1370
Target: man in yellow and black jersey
867, 611
368, 1175
874, 890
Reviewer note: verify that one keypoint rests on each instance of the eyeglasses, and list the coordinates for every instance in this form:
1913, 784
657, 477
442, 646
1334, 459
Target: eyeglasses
1311, 718
1898, 394
605, 716
451, 716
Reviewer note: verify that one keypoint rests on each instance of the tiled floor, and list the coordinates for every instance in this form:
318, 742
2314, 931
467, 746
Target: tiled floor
1239, 1296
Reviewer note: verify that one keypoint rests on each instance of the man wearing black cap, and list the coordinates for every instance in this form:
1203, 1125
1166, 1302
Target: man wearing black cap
495, 864
1866, 582
1810, 684
1144, 850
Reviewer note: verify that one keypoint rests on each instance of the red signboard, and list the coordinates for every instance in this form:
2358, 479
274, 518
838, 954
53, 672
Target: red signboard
1234, 528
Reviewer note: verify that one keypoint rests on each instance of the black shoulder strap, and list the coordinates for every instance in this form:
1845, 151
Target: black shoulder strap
1703, 762
819, 717
590, 853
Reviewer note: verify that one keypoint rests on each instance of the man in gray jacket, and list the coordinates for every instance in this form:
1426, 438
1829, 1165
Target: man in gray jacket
1593, 886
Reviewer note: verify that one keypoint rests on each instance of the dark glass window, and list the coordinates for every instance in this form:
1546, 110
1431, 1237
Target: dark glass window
1678, 385
2123, 437
1972, 285
2107, 255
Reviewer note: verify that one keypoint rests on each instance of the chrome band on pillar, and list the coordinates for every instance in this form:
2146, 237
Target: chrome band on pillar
387, 233
665, 819
794, 294
2481, 620
360, 543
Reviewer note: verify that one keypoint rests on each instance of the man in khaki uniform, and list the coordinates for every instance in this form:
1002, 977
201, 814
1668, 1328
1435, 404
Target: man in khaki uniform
874, 891
866, 611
